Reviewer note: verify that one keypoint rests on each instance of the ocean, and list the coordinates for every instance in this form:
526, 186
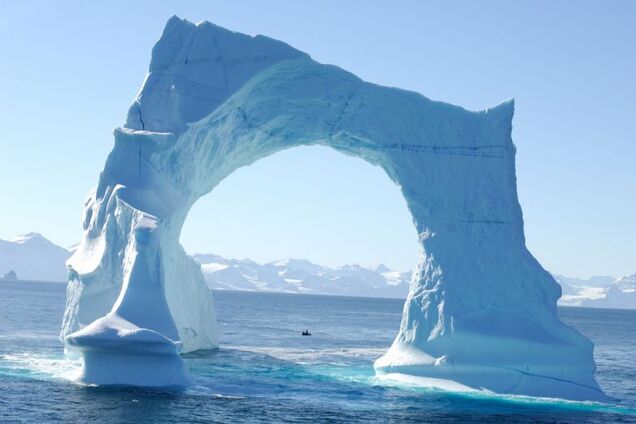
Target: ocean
265, 371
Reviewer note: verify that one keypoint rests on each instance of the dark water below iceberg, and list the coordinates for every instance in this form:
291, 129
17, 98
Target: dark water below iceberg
266, 372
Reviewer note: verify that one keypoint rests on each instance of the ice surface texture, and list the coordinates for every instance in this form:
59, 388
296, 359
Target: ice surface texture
481, 311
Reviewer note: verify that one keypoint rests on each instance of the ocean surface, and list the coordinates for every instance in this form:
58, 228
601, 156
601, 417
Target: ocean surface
266, 372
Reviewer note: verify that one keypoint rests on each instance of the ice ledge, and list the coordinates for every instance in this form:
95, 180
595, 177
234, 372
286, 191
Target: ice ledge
133, 132
117, 352
404, 362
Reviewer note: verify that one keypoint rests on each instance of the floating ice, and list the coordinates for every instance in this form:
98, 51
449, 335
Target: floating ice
481, 312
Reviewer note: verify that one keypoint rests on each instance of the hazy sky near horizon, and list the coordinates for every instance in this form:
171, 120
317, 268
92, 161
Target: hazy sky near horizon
70, 70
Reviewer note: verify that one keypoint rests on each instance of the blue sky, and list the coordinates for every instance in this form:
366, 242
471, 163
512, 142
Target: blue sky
70, 70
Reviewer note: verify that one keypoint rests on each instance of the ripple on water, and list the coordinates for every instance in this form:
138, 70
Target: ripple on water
278, 376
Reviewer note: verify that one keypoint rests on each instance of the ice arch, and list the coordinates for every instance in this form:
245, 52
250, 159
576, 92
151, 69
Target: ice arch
481, 311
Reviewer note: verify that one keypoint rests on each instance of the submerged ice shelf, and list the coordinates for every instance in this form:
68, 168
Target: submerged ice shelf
481, 311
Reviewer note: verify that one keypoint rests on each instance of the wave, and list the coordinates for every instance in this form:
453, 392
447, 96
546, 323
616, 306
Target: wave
323, 363
39, 366
450, 388
307, 356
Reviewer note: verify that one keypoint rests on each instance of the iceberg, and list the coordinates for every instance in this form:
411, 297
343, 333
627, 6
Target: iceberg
481, 311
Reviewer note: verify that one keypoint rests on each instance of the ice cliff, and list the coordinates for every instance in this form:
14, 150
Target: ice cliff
481, 311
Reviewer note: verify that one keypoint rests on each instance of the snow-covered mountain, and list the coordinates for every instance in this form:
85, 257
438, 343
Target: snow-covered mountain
620, 294
32, 257
599, 292
596, 281
577, 291
302, 276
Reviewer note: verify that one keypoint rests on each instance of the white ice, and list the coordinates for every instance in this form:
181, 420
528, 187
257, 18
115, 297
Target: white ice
481, 312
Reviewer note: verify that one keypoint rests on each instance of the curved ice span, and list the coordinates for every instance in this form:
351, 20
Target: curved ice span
481, 311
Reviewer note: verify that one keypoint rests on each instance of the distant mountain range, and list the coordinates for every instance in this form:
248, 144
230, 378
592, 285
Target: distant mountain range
598, 292
302, 276
33, 257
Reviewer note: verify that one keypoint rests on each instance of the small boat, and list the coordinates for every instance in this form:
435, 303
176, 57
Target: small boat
305, 333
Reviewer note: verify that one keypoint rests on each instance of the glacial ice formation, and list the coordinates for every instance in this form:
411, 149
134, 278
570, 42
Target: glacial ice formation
481, 311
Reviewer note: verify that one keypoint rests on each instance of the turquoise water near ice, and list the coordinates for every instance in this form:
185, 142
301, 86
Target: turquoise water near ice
266, 372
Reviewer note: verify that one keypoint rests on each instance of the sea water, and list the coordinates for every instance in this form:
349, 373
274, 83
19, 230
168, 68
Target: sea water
265, 371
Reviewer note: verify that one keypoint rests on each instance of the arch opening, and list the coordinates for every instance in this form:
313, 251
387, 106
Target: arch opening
310, 204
